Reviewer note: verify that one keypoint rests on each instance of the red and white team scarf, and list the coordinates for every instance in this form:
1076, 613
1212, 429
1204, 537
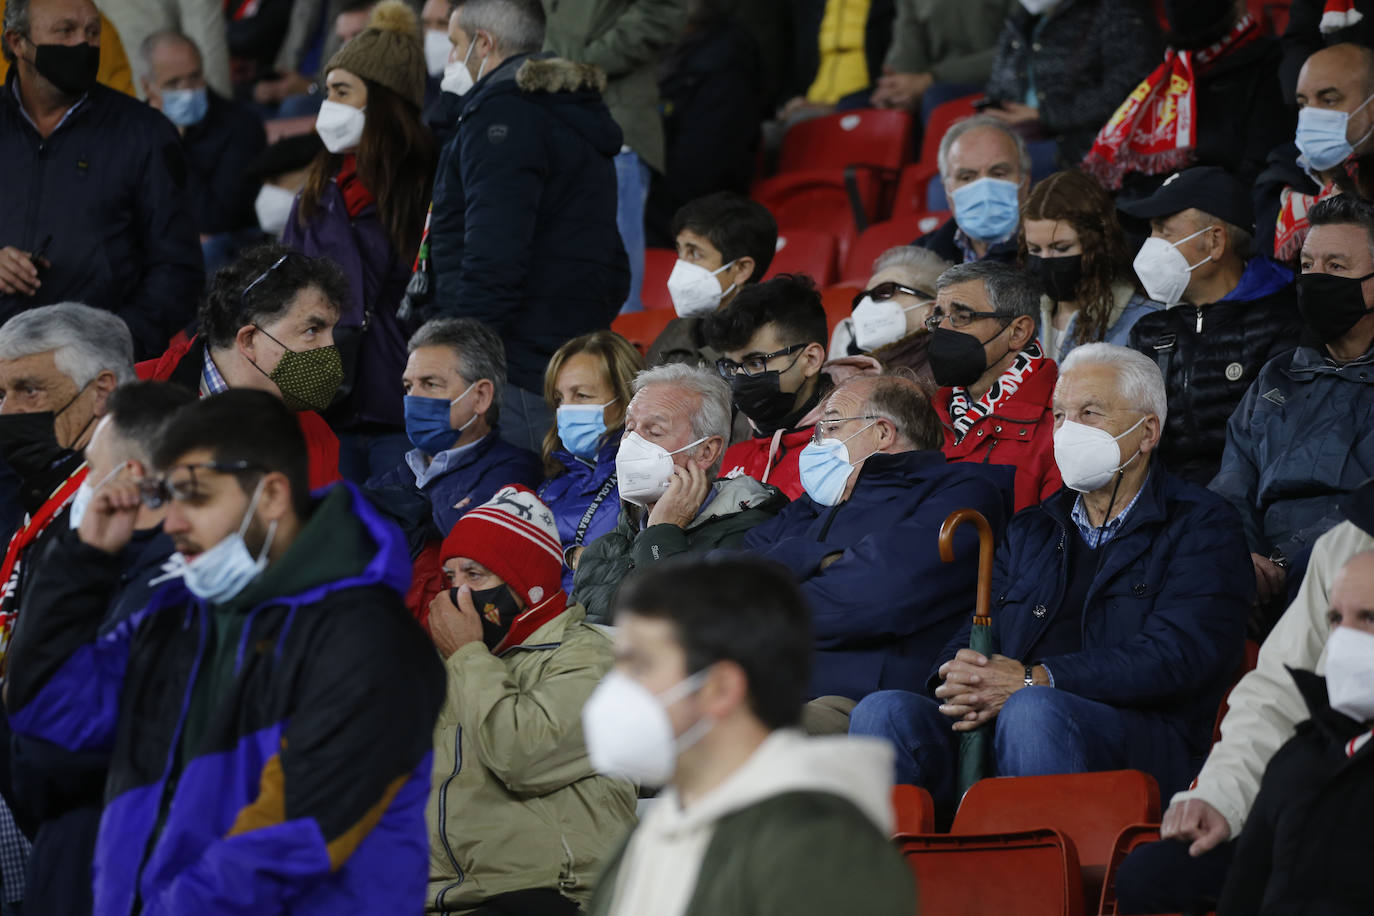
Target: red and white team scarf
1290, 228
1352, 747
965, 414
1337, 15
20, 542
1155, 130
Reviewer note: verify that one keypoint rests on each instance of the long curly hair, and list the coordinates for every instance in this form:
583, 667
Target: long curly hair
1075, 198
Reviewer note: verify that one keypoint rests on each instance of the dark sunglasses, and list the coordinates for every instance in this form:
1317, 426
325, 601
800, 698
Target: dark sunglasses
885, 291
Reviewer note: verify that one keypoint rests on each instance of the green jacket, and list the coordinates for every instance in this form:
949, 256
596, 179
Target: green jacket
736, 506
800, 830
954, 42
627, 39
514, 803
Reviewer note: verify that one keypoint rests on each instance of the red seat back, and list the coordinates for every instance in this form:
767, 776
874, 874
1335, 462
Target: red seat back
642, 328
822, 201
1129, 838
838, 302
877, 137
880, 237
911, 189
1246, 666
1030, 873
658, 264
803, 251
914, 808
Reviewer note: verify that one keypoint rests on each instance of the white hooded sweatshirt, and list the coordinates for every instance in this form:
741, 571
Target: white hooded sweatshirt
659, 872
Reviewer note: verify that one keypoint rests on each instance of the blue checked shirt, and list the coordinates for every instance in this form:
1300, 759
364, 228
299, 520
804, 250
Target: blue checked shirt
211, 382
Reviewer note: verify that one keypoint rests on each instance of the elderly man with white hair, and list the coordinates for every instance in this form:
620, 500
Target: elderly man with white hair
1119, 608
676, 429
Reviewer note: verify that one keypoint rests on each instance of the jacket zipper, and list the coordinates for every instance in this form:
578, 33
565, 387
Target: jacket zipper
1199, 319
443, 818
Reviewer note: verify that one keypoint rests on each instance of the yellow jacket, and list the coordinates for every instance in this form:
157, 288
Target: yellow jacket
843, 67
114, 63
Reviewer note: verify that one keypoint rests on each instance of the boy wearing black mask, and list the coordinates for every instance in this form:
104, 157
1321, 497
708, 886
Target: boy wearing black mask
1303, 436
772, 340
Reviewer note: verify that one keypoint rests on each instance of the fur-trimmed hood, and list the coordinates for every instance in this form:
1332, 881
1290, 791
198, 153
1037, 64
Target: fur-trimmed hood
555, 74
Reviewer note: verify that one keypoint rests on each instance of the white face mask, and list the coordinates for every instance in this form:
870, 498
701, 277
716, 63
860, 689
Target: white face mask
644, 470
1163, 270
437, 48
273, 207
1350, 673
629, 734
877, 324
1088, 456
457, 78
340, 126
221, 572
694, 289
85, 493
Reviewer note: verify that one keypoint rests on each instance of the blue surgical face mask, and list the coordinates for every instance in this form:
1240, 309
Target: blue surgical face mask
1322, 137
825, 468
185, 107
581, 426
988, 209
220, 573
427, 422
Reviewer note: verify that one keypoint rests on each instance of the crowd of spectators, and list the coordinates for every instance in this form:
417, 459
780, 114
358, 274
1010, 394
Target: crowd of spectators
356, 563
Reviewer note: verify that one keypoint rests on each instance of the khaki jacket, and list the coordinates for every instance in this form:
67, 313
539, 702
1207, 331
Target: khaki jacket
1265, 707
514, 803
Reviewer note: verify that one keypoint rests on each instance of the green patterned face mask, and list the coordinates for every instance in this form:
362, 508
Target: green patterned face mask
308, 379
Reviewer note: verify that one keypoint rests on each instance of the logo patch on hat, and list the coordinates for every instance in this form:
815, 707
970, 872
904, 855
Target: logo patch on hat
497, 133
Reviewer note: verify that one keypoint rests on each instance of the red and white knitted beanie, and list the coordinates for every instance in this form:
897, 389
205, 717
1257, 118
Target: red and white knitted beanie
515, 536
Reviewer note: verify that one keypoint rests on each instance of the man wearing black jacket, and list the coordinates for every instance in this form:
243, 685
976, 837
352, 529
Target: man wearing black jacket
93, 183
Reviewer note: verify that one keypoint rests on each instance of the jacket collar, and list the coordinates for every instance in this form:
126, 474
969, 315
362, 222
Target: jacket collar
605, 455
1151, 504
540, 625
1334, 726
882, 467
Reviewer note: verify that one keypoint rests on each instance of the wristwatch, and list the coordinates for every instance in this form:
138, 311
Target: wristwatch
1030, 676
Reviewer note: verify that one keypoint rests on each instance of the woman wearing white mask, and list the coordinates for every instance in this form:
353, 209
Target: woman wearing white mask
587, 386
890, 312
1305, 845
1072, 243
363, 205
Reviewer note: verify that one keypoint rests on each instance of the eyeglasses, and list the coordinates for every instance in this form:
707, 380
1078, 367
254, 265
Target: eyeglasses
825, 429
156, 492
243, 296
885, 291
754, 365
960, 317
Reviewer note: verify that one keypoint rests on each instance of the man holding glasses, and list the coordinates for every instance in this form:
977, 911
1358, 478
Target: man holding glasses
996, 384
266, 717
863, 542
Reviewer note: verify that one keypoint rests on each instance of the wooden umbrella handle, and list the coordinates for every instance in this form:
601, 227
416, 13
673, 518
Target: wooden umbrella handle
982, 613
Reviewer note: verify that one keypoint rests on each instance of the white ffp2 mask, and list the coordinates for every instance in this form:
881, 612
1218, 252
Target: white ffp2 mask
340, 126
628, 732
644, 470
694, 289
1350, 673
1088, 456
1163, 270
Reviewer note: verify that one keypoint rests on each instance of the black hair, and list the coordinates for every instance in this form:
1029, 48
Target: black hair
230, 304
140, 411
1344, 210
789, 301
737, 226
247, 425
748, 611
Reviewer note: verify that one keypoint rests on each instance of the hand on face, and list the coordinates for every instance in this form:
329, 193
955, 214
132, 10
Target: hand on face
454, 626
687, 492
109, 522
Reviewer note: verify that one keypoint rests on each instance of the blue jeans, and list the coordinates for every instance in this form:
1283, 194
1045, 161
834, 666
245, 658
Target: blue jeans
363, 456
632, 192
525, 417
1039, 731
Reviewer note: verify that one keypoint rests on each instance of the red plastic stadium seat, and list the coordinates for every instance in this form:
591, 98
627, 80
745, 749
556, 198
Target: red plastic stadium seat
873, 137
915, 810
878, 238
1129, 838
642, 328
658, 264
838, 302
1246, 666
911, 190
823, 200
1089, 808
800, 251
1029, 873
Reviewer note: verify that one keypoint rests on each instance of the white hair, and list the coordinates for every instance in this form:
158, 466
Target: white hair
84, 341
712, 416
967, 124
1138, 378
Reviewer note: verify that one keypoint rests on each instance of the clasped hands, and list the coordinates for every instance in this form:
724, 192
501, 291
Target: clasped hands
976, 685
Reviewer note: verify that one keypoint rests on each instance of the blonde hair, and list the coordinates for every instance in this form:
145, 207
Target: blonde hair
619, 360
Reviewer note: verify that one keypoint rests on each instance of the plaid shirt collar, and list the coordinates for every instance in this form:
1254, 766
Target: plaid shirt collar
1093, 535
211, 382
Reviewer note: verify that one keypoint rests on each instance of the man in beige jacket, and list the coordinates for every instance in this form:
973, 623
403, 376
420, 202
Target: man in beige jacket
519, 822
1189, 864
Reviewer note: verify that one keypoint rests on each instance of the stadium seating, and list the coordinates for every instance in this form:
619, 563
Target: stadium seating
838, 302
658, 264
841, 204
1246, 666
1130, 837
911, 189
1029, 873
641, 328
873, 241
876, 138
914, 809
802, 251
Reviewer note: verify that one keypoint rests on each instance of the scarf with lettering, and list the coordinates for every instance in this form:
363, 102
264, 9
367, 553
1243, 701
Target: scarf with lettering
964, 413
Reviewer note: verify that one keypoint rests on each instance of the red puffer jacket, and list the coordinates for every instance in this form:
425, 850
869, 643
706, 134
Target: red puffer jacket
1019, 433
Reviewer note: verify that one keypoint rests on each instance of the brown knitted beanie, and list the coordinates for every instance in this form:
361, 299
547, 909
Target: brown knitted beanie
389, 52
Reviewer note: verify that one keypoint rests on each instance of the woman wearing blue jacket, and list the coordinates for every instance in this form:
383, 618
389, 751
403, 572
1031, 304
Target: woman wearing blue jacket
587, 384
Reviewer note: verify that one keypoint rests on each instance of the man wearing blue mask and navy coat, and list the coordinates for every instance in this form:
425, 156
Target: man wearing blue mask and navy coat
985, 170
453, 380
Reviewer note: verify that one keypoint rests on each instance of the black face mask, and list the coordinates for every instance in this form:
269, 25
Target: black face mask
28, 442
71, 68
1059, 276
1331, 305
761, 399
957, 359
497, 610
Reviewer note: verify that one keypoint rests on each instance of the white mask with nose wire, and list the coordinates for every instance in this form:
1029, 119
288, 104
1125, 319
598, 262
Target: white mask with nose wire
1088, 456
629, 733
1163, 270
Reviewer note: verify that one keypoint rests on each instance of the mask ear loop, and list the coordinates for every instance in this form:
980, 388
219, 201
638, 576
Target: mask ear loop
248, 518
